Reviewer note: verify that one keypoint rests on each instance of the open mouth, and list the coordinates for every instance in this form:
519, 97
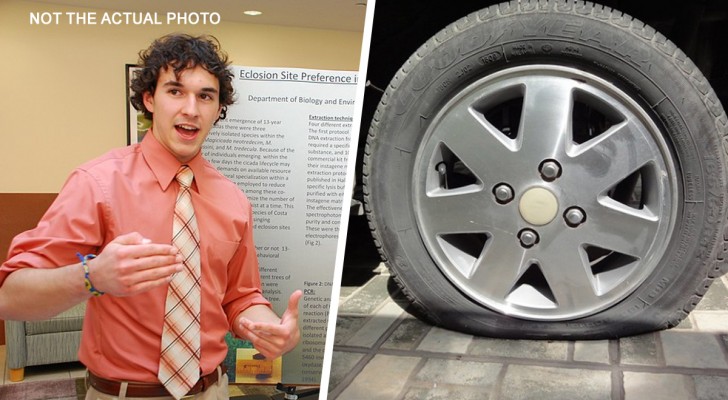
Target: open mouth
186, 131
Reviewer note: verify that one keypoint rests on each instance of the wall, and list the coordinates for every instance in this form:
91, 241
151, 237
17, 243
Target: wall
63, 95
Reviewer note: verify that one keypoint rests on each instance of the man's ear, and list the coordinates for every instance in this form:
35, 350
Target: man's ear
148, 101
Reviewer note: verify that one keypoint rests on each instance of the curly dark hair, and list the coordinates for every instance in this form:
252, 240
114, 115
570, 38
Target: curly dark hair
180, 52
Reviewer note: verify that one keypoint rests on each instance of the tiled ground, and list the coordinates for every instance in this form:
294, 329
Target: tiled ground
383, 352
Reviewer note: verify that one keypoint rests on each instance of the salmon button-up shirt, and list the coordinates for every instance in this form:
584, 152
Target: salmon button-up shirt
133, 189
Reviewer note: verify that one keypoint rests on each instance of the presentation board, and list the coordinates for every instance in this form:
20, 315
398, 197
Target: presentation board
286, 143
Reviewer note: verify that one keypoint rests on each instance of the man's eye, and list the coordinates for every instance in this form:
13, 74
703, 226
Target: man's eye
174, 92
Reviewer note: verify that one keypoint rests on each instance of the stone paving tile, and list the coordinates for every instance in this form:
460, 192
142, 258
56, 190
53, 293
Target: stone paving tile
640, 350
373, 329
686, 324
711, 387
347, 326
457, 372
407, 335
711, 321
596, 351
642, 386
525, 382
345, 292
443, 341
344, 362
692, 349
541, 349
716, 298
366, 300
448, 393
384, 377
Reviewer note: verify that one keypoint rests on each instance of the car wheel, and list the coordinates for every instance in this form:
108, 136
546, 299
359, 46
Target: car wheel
549, 169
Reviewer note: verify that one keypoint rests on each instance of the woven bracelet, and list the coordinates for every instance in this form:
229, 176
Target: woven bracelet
86, 280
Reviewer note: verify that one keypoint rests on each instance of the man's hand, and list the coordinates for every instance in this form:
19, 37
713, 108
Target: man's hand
131, 264
271, 336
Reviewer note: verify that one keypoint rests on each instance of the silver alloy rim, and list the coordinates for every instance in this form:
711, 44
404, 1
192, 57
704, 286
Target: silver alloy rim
581, 147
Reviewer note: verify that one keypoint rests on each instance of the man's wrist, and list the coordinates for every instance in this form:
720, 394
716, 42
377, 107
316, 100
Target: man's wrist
86, 274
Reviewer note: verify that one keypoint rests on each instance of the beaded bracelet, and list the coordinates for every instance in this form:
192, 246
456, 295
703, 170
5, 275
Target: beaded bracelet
87, 281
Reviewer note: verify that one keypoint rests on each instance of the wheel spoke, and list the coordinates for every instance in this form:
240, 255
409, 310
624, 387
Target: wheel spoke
457, 211
500, 266
469, 136
609, 158
568, 274
546, 118
621, 228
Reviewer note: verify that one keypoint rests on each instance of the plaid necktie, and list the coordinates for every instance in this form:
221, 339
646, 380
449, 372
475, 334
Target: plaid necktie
179, 363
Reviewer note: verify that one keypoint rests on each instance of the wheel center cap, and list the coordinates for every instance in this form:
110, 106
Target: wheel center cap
538, 206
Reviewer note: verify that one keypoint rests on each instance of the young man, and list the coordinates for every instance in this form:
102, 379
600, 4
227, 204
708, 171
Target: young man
118, 213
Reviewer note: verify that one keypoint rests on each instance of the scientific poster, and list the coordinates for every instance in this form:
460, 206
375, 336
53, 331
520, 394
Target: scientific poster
286, 143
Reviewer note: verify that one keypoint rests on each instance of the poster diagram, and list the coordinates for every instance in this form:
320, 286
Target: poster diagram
285, 143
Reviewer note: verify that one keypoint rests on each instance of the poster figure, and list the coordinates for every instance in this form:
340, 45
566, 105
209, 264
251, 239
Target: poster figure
253, 367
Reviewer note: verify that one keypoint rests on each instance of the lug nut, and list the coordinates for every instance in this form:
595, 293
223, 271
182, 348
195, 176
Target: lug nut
574, 217
550, 170
503, 193
528, 238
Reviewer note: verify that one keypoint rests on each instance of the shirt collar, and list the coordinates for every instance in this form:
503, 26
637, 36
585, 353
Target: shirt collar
164, 165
